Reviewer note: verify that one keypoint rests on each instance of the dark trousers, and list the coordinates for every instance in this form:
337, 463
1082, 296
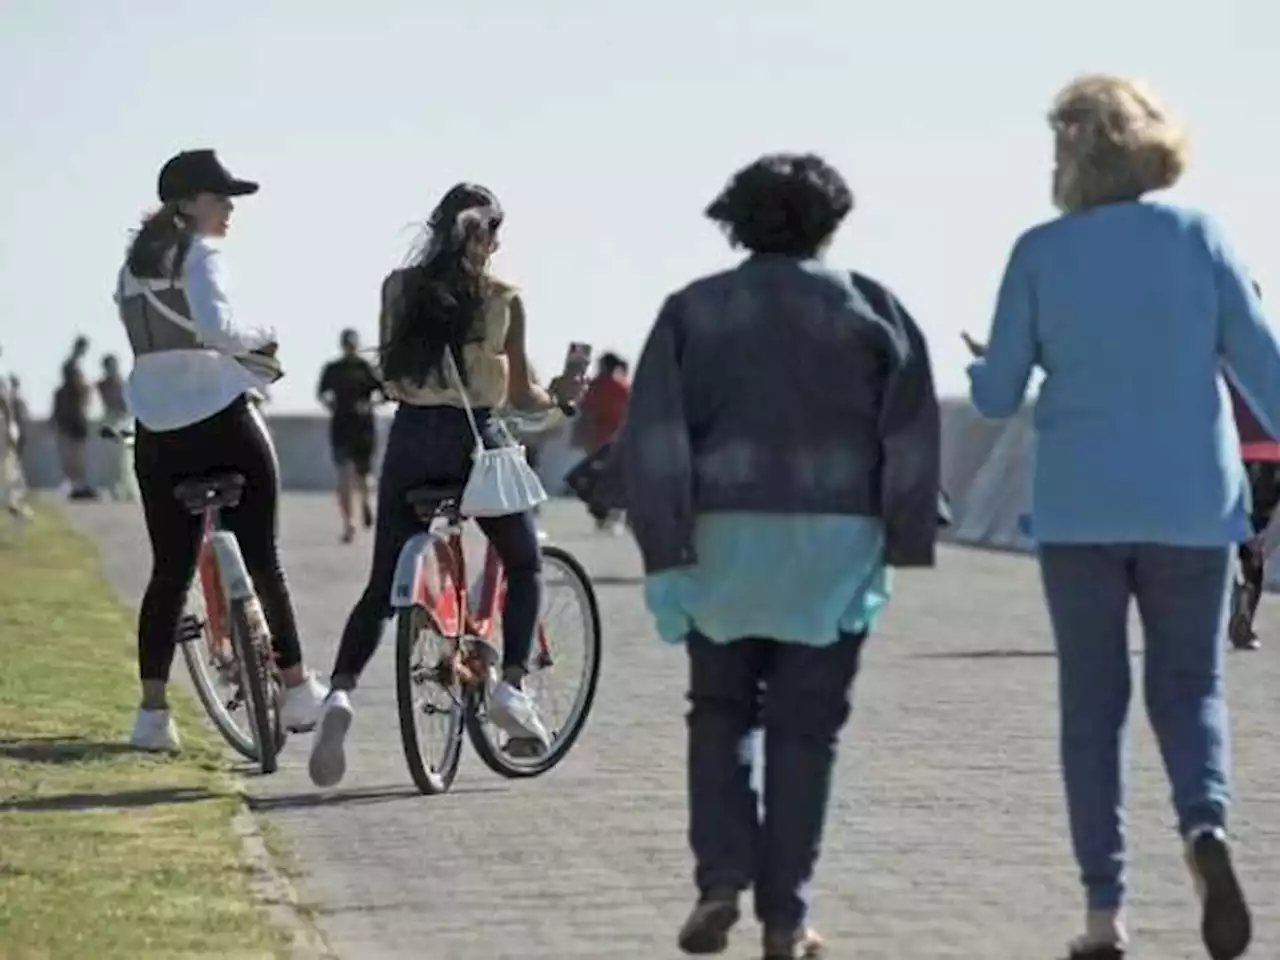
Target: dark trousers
1264, 483
434, 445
234, 440
800, 697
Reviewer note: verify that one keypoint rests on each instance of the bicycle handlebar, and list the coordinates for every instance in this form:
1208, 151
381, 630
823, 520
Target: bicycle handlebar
533, 422
108, 432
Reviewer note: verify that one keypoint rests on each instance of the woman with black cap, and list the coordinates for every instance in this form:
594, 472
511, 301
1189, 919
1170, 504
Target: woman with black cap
452, 335
194, 367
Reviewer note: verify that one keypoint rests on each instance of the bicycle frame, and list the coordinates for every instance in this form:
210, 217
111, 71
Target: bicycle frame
453, 613
211, 586
223, 578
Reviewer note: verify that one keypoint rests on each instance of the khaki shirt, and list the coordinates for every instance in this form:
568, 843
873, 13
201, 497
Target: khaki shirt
483, 355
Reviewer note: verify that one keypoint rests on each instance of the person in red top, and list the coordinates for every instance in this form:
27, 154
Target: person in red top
1261, 454
601, 411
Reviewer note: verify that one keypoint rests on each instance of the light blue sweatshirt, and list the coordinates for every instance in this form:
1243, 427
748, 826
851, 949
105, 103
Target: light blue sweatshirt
1135, 312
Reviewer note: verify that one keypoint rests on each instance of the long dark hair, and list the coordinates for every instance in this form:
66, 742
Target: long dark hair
160, 245
443, 291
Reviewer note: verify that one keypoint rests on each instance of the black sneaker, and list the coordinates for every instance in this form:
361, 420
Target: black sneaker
367, 516
1226, 925
804, 944
1110, 952
1240, 624
1244, 637
707, 929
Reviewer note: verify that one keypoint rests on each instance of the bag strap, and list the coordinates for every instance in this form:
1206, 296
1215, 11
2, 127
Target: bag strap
456, 377
130, 283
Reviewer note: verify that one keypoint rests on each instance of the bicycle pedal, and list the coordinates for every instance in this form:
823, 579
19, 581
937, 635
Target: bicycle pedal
524, 748
190, 629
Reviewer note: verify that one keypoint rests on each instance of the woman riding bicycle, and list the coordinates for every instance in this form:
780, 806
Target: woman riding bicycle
446, 300
193, 369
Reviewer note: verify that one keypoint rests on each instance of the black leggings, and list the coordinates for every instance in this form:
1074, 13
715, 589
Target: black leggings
233, 440
1264, 484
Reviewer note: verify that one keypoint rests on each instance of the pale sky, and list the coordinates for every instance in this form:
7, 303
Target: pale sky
604, 127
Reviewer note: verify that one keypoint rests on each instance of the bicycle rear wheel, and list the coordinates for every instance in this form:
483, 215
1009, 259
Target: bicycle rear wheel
428, 697
562, 678
215, 673
250, 640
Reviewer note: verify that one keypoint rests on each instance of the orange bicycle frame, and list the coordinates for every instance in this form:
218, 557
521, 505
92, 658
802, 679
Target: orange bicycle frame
452, 609
212, 589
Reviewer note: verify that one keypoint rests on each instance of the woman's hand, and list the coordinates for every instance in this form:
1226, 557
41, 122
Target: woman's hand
567, 389
977, 349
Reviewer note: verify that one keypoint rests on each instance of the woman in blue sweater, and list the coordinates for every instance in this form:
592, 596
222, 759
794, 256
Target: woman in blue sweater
1134, 311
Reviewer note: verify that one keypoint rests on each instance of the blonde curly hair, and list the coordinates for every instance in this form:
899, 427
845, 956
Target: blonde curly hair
1115, 142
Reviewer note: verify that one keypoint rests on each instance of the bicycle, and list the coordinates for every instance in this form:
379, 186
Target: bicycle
433, 601
229, 647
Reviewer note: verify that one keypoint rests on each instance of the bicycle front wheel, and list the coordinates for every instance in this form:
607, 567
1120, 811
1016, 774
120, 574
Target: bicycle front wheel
564, 671
261, 694
429, 700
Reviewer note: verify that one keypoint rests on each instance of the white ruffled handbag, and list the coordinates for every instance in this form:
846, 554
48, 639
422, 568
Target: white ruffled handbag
501, 483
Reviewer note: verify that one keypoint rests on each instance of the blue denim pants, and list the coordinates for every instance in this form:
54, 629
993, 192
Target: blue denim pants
1183, 598
800, 697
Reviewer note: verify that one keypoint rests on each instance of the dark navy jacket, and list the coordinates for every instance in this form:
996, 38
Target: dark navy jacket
782, 386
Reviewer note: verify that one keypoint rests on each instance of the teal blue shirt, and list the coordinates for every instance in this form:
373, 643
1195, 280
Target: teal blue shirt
799, 578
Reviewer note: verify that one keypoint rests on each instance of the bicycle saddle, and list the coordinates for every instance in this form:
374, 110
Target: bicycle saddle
215, 492
427, 499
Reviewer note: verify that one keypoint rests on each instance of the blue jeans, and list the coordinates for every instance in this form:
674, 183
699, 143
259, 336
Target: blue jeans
434, 445
1183, 598
800, 696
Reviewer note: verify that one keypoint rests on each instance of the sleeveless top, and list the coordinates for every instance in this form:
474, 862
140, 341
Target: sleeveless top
483, 354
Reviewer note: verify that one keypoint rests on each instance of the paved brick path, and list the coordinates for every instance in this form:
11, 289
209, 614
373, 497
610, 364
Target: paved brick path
947, 837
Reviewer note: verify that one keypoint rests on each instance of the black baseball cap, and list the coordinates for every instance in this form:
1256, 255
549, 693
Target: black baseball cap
193, 172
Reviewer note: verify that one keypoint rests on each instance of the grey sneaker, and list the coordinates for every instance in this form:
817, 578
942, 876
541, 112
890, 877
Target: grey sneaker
155, 732
328, 763
514, 712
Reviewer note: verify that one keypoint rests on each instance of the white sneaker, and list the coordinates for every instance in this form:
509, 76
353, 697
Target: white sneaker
328, 762
515, 714
155, 730
302, 704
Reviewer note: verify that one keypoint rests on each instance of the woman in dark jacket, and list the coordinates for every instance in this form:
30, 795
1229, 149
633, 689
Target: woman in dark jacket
728, 475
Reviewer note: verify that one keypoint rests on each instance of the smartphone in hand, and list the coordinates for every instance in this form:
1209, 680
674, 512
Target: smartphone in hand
577, 360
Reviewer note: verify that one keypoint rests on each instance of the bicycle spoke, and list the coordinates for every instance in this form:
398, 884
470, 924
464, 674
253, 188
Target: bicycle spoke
563, 672
215, 671
437, 698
